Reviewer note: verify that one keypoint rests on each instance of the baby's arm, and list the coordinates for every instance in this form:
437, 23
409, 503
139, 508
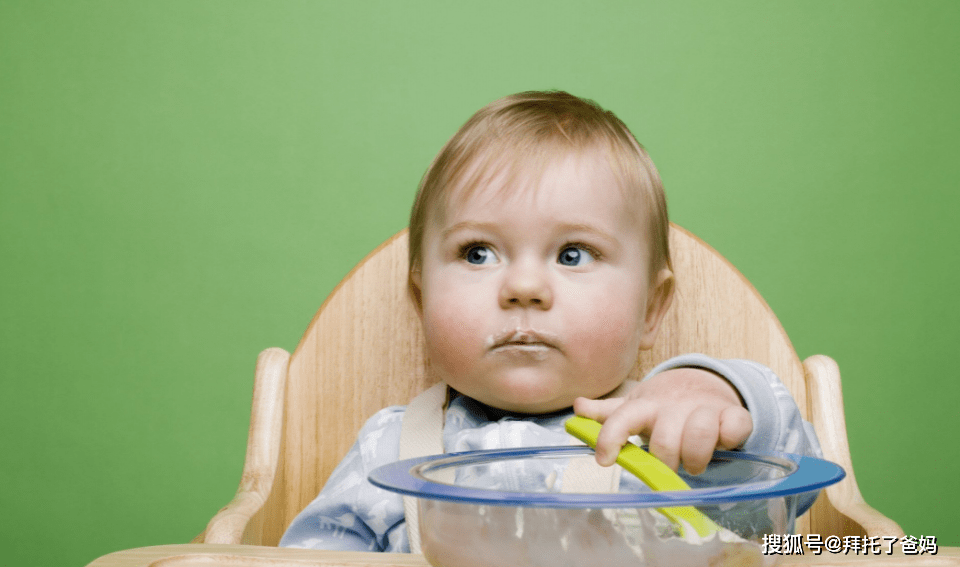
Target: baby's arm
698, 411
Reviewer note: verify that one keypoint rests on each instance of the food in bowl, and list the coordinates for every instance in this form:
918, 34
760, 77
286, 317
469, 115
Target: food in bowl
508, 507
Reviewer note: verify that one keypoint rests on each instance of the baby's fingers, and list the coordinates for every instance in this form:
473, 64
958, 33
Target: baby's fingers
735, 426
700, 435
628, 418
666, 440
597, 410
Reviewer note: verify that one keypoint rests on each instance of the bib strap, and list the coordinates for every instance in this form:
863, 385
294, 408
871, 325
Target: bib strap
421, 434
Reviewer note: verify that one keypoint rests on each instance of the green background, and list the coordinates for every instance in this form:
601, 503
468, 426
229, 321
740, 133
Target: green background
183, 182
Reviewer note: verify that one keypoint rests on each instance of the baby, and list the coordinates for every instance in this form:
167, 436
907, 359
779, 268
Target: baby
540, 267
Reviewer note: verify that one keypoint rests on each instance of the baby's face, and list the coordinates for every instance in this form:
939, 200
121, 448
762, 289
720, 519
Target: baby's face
532, 297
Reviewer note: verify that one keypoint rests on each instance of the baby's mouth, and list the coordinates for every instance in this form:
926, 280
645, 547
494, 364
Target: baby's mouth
523, 340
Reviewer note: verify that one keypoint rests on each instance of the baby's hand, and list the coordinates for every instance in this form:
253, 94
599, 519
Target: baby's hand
685, 413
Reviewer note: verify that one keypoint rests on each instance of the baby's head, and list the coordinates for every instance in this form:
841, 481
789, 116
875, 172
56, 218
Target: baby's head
539, 257
516, 137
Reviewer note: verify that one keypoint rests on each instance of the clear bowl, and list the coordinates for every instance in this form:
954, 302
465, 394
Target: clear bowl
507, 508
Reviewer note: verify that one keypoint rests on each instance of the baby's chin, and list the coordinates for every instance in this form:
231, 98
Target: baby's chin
516, 400
530, 390
527, 401
530, 407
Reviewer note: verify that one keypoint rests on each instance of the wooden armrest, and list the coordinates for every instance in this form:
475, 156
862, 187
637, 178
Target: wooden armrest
841, 509
263, 451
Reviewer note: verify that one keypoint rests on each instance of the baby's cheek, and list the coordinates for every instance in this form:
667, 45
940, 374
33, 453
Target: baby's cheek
450, 335
609, 338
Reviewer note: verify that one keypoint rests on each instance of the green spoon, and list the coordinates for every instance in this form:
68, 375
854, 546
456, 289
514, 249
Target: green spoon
652, 472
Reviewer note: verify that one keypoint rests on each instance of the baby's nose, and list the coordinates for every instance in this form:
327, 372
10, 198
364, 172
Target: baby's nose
526, 286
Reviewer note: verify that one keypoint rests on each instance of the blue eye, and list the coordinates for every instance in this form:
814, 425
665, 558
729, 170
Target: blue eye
479, 254
574, 256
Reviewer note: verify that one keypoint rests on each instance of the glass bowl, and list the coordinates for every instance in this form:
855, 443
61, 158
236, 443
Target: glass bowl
507, 508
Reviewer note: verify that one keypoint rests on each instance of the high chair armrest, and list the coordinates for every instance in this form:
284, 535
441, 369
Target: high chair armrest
827, 416
263, 451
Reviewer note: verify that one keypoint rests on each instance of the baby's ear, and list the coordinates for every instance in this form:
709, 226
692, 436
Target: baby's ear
659, 299
414, 286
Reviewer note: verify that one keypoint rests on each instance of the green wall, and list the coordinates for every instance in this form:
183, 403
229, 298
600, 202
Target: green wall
183, 182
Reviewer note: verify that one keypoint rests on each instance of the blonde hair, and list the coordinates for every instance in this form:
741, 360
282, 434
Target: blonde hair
519, 135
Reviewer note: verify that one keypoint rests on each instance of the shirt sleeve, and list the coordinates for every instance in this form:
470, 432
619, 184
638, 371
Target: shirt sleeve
777, 423
350, 514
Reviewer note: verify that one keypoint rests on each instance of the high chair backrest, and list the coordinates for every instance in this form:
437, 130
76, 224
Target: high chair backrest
363, 351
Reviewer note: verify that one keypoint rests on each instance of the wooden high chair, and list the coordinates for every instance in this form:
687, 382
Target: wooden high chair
363, 351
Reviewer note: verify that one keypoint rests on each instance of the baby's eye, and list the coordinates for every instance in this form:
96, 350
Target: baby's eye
478, 254
575, 256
